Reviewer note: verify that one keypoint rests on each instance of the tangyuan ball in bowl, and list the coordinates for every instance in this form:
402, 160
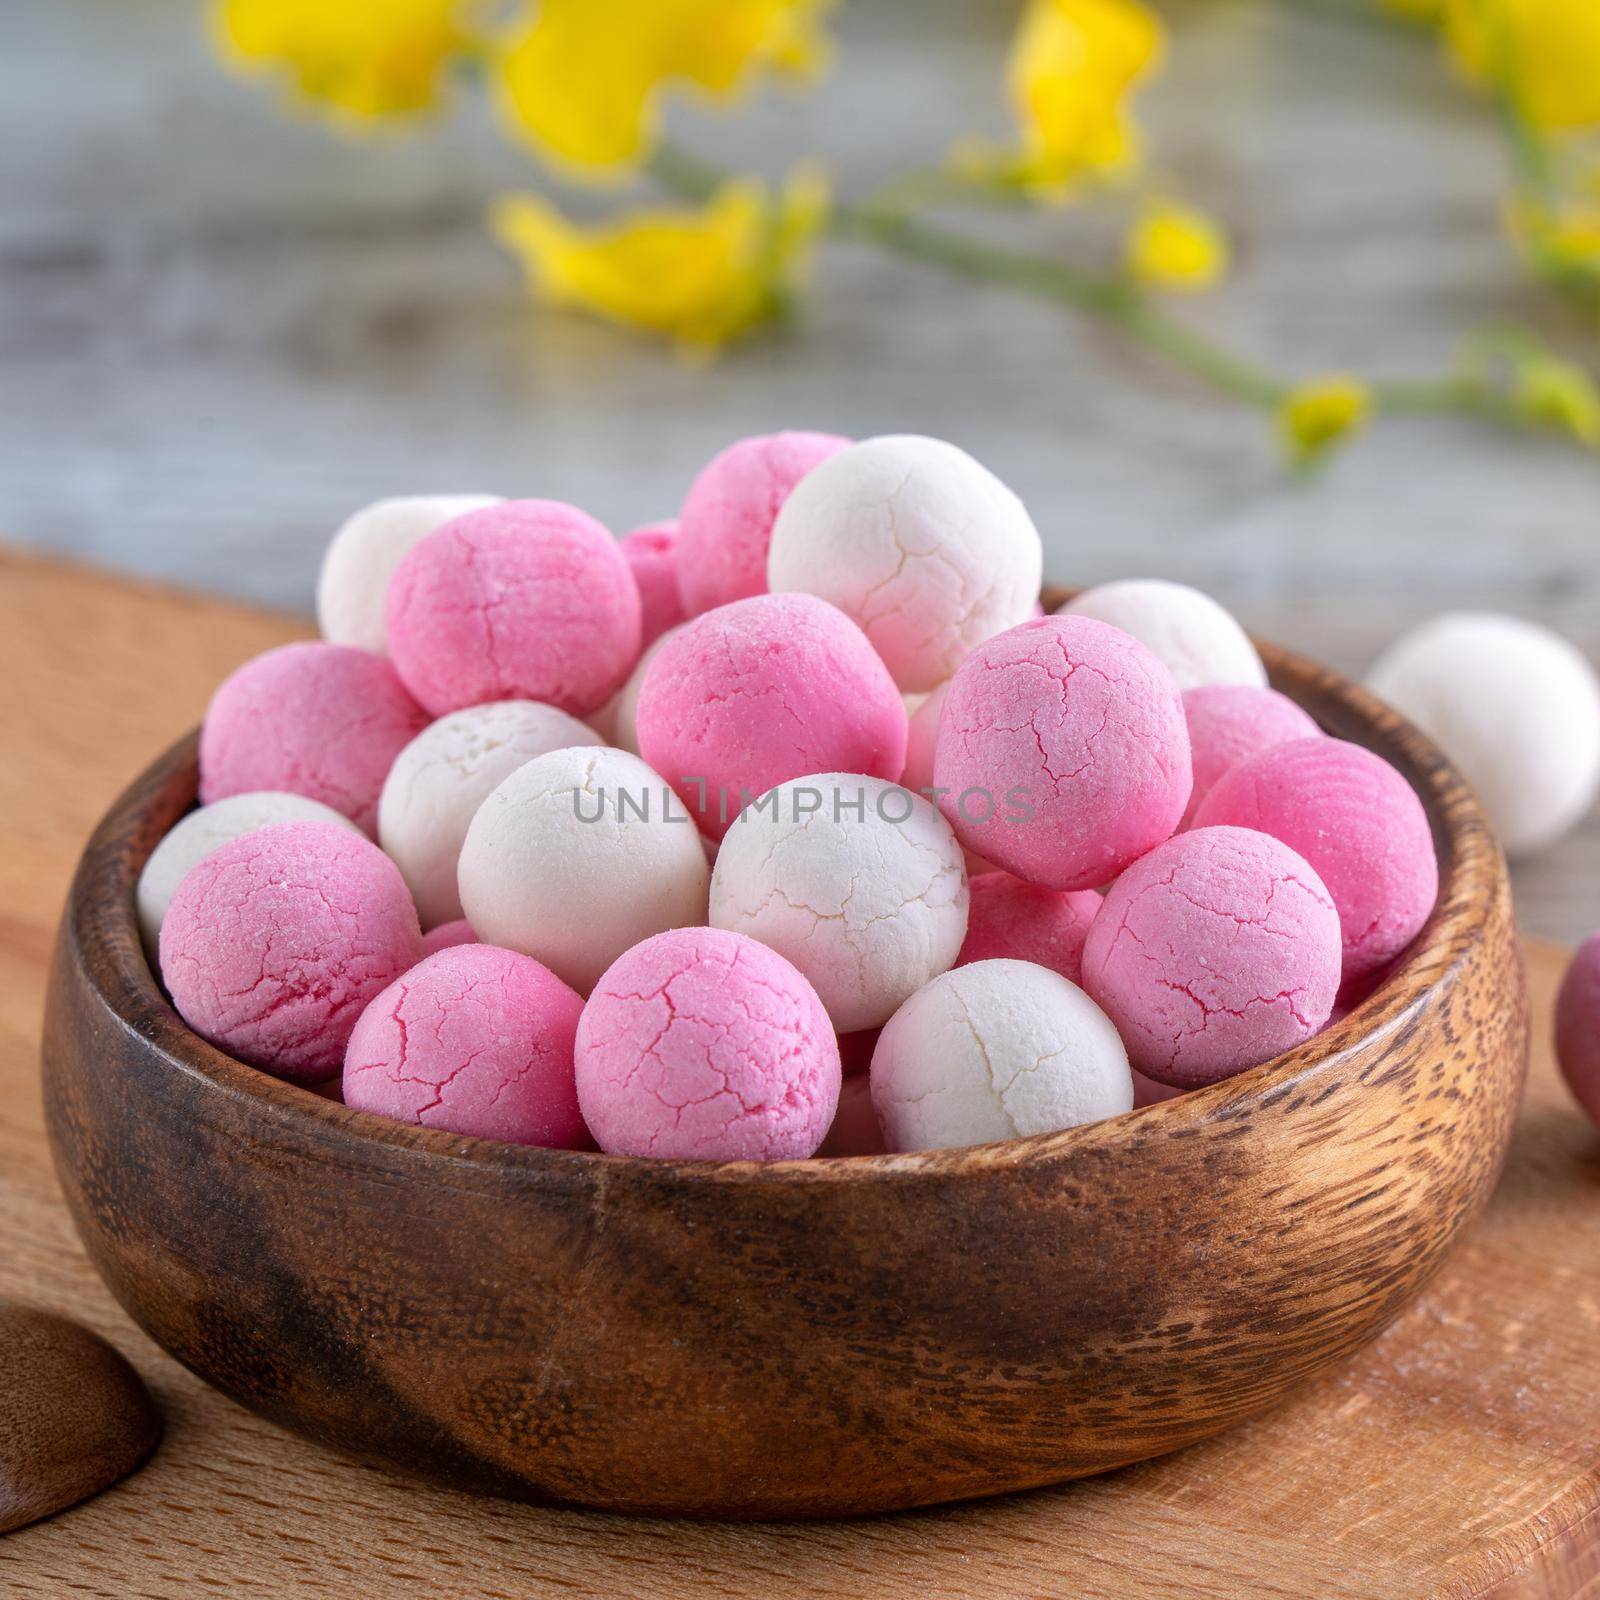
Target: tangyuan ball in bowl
439, 780
353, 586
996, 1050
755, 693
525, 600
576, 857
858, 882
1063, 752
926, 550
210, 827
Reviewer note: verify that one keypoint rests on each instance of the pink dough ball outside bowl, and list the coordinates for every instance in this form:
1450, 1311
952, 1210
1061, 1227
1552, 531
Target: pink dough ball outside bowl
1578, 1026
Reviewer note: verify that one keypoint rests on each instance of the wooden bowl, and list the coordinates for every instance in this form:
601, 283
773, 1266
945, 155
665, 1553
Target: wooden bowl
807, 1338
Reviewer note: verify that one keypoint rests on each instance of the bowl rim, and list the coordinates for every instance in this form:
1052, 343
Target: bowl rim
101, 914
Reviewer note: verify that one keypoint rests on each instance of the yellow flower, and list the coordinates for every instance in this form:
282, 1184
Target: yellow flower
362, 60
1073, 65
1555, 394
702, 277
582, 80
1318, 414
1419, 10
1564, 233
1548, 51
1174, 247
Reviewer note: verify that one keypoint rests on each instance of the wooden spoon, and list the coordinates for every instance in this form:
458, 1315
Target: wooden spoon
74, 1416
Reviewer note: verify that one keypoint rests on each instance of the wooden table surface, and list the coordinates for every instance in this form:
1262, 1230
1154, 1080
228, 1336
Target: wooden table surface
1458, 1456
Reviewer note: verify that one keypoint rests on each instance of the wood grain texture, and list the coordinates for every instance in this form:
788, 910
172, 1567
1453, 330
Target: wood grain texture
74, 1416
224, 327
795, 1339
1452, 1458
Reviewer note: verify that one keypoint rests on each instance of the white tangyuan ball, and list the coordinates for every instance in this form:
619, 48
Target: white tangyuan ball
195, 836
1515, 706
1195, 638
996, 1050
353, 586
578, 856
624, 708
441, 778
926, 550
857, 882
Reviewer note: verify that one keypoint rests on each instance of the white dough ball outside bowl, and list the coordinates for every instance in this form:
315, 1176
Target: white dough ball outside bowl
441, 778
1198, 640
996, 1050
1514, 705
578, 856
195, 836
857, 882
353, 586
926, 550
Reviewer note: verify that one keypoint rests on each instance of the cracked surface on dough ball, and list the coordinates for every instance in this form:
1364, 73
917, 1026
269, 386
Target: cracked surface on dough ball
439, 780
322, 720
525, 600
726, 522
702, 1044
1086, 724
353, 584
275, 943
1012, 920
761, 691
868, 907
1216, 952
915, 541
193, 837
1229, 722
996, 1050
578, 855
472, 1040
1195, 638
1359, 824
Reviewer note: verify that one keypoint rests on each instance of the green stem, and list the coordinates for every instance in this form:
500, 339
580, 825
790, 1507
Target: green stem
1115, 300
1111, 298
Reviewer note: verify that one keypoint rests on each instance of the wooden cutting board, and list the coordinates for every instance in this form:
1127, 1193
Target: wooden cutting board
1458, 1456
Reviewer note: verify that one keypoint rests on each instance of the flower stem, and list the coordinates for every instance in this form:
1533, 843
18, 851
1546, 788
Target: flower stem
1111, 298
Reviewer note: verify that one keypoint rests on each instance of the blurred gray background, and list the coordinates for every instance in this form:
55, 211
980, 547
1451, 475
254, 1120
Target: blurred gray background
221, 329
